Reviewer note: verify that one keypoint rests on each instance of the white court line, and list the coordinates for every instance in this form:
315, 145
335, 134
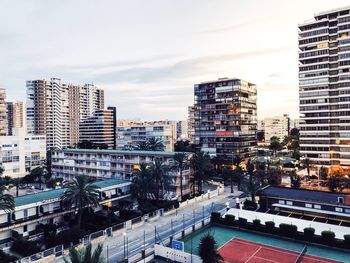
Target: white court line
254, 254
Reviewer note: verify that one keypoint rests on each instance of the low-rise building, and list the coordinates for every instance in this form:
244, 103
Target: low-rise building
105, 164
21, 153
46, 207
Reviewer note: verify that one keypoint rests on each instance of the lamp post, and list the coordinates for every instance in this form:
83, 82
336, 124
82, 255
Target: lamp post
227, 206
124, 234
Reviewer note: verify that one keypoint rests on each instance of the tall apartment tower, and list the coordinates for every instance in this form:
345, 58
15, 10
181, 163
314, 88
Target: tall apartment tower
191, 124
100, 128
3, 113
15, 115
226, 118
55, 109
324, 88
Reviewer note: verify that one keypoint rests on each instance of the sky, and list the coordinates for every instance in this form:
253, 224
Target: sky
148, 54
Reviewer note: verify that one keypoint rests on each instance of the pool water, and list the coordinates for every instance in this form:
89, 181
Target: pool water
223, 235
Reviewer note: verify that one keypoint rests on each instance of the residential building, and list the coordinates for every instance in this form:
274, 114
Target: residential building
226, 121
3, 113
261, 125
46, 207
324, 88
105, 164
15, 116
182, 129
191, 123
307, 203
55, 109
100, 128
133, 133
20, 153
277, 126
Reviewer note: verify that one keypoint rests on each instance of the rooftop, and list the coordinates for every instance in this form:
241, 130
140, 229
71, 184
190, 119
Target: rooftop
304, 194
53, 194
136, 152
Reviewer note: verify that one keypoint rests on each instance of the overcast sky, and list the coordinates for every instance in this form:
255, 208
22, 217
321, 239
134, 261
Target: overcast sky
148, 54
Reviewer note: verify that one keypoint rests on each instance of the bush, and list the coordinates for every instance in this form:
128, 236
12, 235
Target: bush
288, 229
6, 258
242, 221
256, 222
347, 240
230, 220
270, 225
309, 233
328, 236
249, 205
129, 214
25, 248
215, 217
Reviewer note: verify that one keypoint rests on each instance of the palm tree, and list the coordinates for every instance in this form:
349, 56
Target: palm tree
237, 170
159, 171
142, 183
155, 144
307, 165
181, 160
202, 168
253, 184
207, 250
142, 146
81, 194
7, 202
85, 256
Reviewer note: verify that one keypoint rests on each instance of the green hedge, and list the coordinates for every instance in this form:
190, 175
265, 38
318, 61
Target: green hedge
288, 229
242, 221
347, 240
328, 236
256, 222
270, 225
230, 220
309, 233
215, 217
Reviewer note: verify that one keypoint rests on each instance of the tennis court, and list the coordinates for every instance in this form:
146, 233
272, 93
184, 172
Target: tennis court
239, 250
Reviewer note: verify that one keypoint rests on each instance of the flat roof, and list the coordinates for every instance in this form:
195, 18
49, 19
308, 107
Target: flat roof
224, 79
52, 194
136, 152
304, 195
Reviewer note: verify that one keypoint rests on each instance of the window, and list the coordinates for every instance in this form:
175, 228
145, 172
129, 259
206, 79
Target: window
317, 206
339, 209
281, 202
308, 205
289, 203
340, 200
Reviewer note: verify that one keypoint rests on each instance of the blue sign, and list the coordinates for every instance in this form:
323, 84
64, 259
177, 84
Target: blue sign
178, 245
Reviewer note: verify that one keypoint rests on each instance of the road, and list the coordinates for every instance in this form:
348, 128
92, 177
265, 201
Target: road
145, 236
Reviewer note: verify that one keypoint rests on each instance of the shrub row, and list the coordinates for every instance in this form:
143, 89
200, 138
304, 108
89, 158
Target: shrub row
288, 230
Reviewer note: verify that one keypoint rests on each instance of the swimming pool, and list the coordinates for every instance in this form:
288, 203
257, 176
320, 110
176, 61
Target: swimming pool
223, 235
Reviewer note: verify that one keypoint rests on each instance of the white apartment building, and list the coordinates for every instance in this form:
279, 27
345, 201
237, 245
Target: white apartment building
324, 88
20, 153
277, 126
3, 113
45, 207
191, 125
134, 132
106, 164
182, 129
55, 109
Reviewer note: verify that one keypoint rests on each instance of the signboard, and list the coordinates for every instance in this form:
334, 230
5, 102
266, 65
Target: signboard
178, 245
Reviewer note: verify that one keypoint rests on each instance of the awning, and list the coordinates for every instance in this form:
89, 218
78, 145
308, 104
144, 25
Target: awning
311, 210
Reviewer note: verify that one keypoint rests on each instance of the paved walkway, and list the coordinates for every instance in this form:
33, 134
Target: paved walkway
145, 235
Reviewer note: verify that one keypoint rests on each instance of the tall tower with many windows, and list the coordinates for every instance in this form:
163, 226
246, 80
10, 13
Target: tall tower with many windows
324, 88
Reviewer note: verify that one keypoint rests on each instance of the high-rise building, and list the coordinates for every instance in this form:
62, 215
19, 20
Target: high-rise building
15, 115
226, 118
277, 126
100, 128
182, 129
3, 113
55, 109
191, 124
324, 88
134, 132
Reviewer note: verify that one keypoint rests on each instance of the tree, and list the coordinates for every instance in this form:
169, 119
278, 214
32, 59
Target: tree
307, 164
155, 144
202, 168
159, 170
142, 146
208, 250
85, 256
38, 173
237, 171
16, 182
260, 136
7, 202
81, 193
184, 146
85, 145
294, 180
294, 132
142, 183
253, 184
334, 182
275, 144
181, 162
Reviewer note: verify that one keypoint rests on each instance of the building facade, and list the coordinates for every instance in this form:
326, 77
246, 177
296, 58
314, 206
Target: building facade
46, 207
191, 124
105, 164
182, 129
226, 118
324, 88
55, 109
277, 126
100, 128
21, 153
15, 116
3, 113
134, 132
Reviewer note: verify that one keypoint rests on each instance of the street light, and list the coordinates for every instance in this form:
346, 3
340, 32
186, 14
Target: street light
227, 206
124, 234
